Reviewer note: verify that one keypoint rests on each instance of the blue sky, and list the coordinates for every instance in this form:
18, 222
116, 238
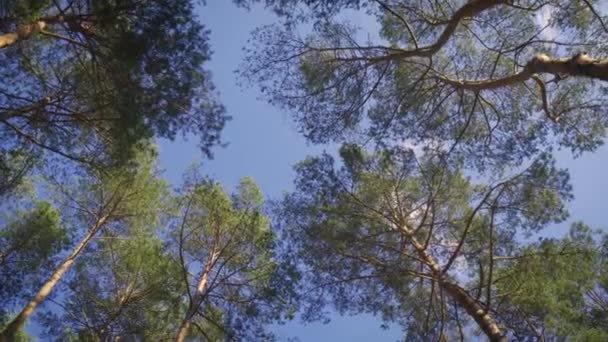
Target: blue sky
264, 144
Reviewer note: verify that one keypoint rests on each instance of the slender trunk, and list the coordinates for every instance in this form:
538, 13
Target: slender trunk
11, 329
196, 300
182, 332
485, 322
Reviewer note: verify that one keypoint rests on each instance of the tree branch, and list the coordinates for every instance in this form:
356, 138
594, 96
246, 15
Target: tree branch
469, 10
579, 65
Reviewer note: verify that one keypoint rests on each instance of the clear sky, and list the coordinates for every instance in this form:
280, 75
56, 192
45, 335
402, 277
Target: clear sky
264, 144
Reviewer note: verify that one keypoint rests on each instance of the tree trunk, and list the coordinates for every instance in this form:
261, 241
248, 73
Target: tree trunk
485, 322
196, 300
13, 327
182, 332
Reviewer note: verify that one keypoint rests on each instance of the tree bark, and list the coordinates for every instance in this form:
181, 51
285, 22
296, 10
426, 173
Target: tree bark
483, 319
196, 300
13, 327
475, 310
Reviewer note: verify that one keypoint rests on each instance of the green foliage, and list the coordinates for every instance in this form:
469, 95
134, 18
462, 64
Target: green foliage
119, 200
454, 81
21, 335
341, 83
358, 232
103, 78
546, 288
14, 165
428, 239
127, 282
226, 241
25, 10
38, 228
126, 286
130, 194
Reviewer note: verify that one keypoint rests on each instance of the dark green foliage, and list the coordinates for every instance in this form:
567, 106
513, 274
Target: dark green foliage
21, 336
14, 165
103, 76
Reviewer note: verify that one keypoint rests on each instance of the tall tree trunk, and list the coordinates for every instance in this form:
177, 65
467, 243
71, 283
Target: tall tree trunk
182, 332
13, 327
196, 300
484, 320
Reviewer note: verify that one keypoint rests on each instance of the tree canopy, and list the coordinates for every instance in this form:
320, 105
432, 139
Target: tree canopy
124, 288
225, 249
432, 213
426, 99
494, 81
89, 80
417, 243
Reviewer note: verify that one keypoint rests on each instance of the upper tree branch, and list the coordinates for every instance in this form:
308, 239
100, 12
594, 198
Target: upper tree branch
471, 9
403, 21
580, 65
